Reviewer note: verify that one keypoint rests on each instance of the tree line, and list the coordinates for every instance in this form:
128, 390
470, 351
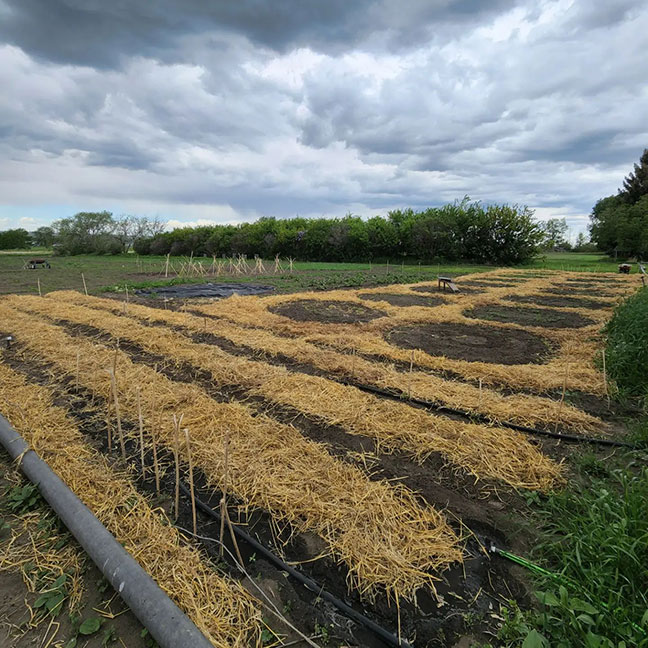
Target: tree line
619, 223
85, 233
463, 230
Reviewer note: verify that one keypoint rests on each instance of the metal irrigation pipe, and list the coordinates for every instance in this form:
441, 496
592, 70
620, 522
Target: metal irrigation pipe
168, 625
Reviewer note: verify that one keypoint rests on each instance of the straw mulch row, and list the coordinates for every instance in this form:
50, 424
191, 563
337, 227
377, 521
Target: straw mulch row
517, 408
491, 452
378, 529
223, 611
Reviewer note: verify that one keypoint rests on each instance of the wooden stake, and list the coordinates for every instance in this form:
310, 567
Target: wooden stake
113, 383
191, 481
39, 288
231, 530
166, 267
156, 468
141, 432
109, 430
176, 453
605, 382
562, 398
223, 502
85, 288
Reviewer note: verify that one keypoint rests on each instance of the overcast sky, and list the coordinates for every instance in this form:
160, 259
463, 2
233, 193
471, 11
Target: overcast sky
228, 110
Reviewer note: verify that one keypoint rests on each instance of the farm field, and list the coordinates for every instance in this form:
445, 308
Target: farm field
103, 273
378, 437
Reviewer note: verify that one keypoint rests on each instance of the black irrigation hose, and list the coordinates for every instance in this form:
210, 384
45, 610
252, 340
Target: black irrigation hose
309, 583
484, 419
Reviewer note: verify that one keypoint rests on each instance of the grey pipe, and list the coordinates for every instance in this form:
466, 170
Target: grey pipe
168, 625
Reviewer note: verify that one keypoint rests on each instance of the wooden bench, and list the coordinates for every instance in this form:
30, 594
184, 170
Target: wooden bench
32, 264
447, 282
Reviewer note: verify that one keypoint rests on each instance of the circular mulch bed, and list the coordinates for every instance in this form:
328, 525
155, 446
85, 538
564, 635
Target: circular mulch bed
462, 289
402, 299
490, 284
595, 280
336, 312
551, 300
591, 291
529, 316
473, 342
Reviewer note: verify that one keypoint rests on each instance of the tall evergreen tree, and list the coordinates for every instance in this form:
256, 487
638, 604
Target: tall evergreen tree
636, 184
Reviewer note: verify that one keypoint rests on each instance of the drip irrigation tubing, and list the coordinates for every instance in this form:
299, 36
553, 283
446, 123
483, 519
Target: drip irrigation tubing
168, 625
431, 405
388, 637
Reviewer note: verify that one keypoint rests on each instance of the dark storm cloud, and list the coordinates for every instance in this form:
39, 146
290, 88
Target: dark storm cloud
104, 34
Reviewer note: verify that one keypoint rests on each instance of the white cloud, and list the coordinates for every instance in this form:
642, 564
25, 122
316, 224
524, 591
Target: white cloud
535, 103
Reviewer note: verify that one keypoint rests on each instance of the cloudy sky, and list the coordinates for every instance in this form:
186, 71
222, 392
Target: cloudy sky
227, 110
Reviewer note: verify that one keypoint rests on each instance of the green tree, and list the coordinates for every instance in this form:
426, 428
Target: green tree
635, 185
44, 237
86, 233
553, 233
17, 239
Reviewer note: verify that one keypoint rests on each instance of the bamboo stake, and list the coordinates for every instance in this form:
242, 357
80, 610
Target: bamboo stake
76, 380
480, 391
409, 384
223, 502
141, 432
113, 383
191, 481
85, 288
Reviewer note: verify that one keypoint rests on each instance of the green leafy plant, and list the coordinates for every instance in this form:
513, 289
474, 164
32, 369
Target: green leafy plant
90, 626
51, 599
21, 499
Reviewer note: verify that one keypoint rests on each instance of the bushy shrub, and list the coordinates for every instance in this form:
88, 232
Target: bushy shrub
463, 230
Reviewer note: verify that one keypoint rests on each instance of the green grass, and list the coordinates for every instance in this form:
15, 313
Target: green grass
594, 537
107, 272
626, 351
576, 261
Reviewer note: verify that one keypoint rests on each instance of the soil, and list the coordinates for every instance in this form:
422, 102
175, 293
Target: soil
473, 342
403, 299
550, 300
544, 317
327, 311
